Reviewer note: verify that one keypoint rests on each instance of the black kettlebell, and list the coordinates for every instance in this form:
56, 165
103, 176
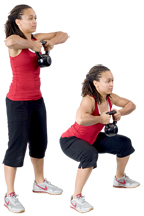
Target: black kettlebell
111, 129
44, 60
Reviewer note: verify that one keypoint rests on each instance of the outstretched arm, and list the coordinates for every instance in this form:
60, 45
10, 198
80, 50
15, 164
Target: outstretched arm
15, 43
52, 38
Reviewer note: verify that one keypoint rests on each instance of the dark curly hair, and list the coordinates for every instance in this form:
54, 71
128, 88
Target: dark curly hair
88, 87
10, 26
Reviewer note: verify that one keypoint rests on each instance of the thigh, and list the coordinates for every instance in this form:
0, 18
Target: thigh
16, 111
76, 148
38, 130
18, 124
119, 144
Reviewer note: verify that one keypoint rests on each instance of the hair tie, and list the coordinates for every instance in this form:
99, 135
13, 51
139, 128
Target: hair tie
89, 78
11, 18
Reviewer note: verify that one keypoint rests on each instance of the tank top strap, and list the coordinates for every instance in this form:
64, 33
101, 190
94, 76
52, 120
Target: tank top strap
109, 101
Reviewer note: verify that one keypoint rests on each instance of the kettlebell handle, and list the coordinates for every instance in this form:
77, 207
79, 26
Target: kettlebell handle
43, 43
39, 54
112, 113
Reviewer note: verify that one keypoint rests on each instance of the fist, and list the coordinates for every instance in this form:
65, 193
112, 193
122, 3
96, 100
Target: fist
105, 118
37, 45
49, 45
117, 115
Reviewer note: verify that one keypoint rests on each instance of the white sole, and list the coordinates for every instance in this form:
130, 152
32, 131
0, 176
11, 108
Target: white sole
46, 192
14, 212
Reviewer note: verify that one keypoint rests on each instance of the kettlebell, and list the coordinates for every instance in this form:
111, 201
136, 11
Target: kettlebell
44, 60
111, 129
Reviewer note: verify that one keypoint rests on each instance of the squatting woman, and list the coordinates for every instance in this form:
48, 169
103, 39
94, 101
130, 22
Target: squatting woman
83, 141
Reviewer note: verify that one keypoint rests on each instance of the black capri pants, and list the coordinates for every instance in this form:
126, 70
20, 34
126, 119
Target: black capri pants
81, 151
26, 124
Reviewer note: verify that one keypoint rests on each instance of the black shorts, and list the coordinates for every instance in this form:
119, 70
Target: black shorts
87, 154
26, 124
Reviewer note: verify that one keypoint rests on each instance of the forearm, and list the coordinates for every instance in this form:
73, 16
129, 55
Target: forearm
127, 109
60, 37
17, 42
88, 120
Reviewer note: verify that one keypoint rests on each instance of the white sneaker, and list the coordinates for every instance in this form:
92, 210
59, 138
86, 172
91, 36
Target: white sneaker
13, 204
79, 204
125, 182
46, 187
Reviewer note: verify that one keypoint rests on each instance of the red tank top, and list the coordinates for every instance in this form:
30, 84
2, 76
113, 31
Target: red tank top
26, 81
87, 133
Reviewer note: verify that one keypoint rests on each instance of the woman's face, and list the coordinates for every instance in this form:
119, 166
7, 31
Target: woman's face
27, 23
105, 85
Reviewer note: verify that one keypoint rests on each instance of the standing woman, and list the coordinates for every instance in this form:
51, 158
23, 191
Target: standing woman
83, 140
25, 105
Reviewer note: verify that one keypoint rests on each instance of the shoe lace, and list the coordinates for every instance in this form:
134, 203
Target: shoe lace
14, 198
48, 182
130, 180
126, 176
82, 200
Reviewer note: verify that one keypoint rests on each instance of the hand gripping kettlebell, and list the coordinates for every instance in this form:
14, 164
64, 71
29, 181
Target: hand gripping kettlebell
44, 60
111, 129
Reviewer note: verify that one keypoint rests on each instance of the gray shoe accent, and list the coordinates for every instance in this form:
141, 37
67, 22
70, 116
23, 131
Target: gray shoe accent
125, 182
80, 205
46, 187
13, 204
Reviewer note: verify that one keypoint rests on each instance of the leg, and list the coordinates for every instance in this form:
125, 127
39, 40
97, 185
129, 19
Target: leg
121, 180
11, 198
37, 148
81, 178
10, 173
17, 131
87, 155
121, 164
38, 165
38, 139
83, 152
122, 147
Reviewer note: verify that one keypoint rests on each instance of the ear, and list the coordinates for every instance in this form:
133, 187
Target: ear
17, 21
95, 83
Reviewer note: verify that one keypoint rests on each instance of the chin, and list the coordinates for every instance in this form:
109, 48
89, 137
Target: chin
109, 92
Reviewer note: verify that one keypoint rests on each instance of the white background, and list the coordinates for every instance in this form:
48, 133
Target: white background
107, 32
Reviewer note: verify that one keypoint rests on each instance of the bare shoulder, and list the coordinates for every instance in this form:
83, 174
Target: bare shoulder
88, 101
118, 101
88, 98
9, 42
113, 98
87, 105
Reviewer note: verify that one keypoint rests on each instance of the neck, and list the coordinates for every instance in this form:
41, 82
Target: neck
104, 97
28, 36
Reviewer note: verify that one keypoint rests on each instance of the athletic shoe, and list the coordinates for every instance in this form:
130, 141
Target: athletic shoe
125, 182
79, 204
13, 204
46, 187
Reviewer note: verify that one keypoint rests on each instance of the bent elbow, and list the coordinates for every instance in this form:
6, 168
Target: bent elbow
134, 106
66, 35
9, 42
79, 121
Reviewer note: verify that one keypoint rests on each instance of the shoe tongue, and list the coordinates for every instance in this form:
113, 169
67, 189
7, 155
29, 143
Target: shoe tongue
78, 195
12, 194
